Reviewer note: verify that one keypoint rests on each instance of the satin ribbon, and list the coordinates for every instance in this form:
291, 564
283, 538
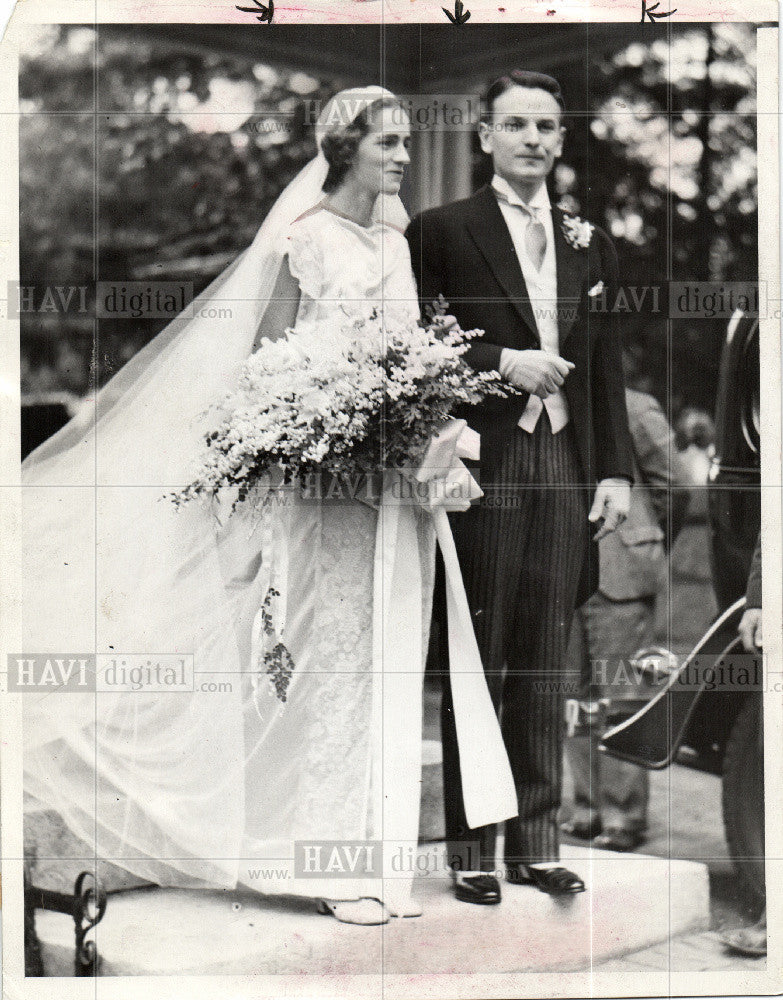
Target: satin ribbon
441, 483
487, 783
275, 525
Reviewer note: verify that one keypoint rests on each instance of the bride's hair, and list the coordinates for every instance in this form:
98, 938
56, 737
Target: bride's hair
339, 147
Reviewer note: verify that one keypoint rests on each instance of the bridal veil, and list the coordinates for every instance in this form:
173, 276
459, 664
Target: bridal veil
111, 567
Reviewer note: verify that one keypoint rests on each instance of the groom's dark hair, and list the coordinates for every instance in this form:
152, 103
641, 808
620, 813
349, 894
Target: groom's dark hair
521, 78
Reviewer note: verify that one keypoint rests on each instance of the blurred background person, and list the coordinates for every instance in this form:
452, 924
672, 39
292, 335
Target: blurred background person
694, 436
751, 940
610, 795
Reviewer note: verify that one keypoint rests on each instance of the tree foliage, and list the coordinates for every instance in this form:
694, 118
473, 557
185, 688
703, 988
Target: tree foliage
670, 163
139, 161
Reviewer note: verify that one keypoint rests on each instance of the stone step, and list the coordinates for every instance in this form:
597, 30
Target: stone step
632, 902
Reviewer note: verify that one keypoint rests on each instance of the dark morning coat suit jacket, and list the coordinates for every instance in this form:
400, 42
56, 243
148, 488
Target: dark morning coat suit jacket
464, 251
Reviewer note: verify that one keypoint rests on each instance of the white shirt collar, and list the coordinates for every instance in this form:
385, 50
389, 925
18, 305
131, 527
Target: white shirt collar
539, 200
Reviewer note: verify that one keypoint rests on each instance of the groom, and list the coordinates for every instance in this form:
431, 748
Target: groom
553, 458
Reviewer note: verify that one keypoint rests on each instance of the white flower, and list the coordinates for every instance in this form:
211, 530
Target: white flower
577, 231
315, 403
360, 393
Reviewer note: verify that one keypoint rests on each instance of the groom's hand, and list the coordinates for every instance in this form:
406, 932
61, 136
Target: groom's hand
537, 372
612, 503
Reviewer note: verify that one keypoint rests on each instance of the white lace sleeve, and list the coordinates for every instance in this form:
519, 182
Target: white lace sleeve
305, 259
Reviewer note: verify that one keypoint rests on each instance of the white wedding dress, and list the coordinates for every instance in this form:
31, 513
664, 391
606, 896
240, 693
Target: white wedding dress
215, 788
315, 780
305, 622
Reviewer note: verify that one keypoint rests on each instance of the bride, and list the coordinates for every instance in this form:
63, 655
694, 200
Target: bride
302, 724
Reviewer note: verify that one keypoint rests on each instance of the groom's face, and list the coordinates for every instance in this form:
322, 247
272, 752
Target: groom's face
524, 136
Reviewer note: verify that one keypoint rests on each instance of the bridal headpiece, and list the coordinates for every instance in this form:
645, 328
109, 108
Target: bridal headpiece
337, 116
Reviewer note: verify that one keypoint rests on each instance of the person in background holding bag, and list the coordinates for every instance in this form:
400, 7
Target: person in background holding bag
611, 795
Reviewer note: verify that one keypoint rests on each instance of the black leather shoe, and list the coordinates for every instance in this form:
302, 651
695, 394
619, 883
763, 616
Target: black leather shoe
581, 829
481, 889
555, 881
617, 839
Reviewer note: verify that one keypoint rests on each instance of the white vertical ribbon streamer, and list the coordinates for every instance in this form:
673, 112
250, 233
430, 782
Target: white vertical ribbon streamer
398, 660
487, 784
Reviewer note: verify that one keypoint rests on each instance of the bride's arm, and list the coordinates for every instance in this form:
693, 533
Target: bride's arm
280, 313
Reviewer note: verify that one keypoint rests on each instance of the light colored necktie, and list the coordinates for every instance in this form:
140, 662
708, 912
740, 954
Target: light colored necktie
535, 239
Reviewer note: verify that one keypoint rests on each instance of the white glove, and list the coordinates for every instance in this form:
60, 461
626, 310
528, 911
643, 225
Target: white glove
612, 502
750, 630
537, 372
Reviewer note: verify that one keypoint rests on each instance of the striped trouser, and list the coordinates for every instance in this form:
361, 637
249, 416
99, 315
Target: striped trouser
521, 551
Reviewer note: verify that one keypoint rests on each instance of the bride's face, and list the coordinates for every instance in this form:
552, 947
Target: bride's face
382, 154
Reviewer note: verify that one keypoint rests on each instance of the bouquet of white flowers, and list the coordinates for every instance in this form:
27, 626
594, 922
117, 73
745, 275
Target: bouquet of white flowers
351, 401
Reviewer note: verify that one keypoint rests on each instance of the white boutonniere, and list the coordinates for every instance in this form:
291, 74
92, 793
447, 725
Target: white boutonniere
577, 231
596, 289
